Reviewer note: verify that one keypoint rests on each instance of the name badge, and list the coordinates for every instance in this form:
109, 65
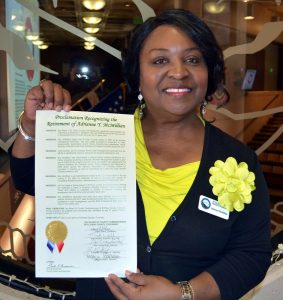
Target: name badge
212, 207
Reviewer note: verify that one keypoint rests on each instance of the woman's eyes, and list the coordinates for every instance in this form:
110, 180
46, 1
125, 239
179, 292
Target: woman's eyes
193, 60
159, 61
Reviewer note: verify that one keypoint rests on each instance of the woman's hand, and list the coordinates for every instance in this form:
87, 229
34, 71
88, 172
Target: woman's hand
46, 96
143, 287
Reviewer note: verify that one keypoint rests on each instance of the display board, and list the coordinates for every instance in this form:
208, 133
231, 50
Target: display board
24, 23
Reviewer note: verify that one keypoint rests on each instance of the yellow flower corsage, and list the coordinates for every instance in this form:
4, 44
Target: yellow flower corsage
232, 183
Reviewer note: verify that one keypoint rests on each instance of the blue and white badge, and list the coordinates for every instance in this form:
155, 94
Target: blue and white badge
212, 207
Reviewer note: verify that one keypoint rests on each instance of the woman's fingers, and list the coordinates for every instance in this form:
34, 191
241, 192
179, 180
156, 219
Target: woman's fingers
67, 100
47, 87
55, 96
146, 287
47, 95
137, 278
61, 97
34, 100
117, 286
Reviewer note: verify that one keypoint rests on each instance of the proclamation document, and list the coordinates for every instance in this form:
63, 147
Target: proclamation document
85, 191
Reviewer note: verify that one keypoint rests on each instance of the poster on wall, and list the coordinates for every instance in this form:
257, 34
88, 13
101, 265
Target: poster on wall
249, 80
25, 24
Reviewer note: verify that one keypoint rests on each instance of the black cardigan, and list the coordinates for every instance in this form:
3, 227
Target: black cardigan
236, 252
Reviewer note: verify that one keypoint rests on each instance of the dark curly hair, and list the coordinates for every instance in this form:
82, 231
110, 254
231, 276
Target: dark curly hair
194, 28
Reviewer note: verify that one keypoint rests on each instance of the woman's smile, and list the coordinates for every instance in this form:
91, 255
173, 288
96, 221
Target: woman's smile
177, 91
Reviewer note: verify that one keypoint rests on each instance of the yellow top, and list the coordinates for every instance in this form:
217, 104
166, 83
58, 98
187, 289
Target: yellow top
162, 190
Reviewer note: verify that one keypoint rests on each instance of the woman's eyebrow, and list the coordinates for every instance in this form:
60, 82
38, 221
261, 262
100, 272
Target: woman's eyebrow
168, 49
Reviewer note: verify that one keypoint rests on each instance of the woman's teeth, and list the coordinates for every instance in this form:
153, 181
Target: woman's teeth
178, 90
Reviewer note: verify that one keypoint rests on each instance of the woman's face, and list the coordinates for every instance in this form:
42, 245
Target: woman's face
173, 73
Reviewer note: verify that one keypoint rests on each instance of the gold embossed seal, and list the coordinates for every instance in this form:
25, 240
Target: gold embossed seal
56, 231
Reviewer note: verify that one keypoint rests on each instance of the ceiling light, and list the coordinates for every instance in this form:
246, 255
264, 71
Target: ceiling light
37, 42
214, 8
250, 12
43, 46
92, 20
91, 29
249, 17
32, 36
89, 43
94, 4
89, 47
90, 38
19, 27
84, 69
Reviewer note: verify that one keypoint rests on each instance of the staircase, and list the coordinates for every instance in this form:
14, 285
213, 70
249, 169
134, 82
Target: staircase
272, 158
271, 161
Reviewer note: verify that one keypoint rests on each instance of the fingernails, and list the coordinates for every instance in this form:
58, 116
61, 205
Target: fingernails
111, 276
128, 273
67, 107
41, 82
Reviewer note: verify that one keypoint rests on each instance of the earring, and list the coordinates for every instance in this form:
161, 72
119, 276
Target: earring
141, 105
203, 107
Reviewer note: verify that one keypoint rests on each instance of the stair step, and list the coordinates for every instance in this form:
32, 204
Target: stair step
271, 160
276, 167
274, 181
260, 141
276, 193
277, 115
266, 134
277, 145
275, 122
274, 151
268, 129
270, 121
271, 157
270, 124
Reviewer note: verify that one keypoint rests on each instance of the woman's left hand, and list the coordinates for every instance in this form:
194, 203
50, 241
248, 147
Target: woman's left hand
143, 287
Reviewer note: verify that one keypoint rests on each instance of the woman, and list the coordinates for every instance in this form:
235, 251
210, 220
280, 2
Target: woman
190, 246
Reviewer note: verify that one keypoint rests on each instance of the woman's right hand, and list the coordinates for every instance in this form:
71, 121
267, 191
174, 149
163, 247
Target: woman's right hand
46, 96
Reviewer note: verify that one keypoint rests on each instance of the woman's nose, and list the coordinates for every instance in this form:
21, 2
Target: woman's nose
178, 70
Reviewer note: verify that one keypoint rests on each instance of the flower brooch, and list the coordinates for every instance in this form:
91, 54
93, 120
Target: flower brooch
232, 183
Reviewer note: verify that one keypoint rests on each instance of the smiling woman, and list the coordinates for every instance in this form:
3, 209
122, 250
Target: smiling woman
186, 250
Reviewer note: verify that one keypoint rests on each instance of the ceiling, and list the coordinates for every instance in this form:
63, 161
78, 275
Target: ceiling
119, 17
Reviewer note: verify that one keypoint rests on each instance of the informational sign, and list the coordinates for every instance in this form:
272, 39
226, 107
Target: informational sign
24, 23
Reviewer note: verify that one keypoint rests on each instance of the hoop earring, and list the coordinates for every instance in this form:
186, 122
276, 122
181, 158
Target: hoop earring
141, 105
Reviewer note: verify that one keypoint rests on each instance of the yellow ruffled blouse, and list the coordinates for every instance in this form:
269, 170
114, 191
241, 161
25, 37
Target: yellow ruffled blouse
162, 190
